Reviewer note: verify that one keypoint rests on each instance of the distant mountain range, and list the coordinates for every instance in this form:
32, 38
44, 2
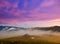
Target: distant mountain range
14, 28
52, 28
10, 28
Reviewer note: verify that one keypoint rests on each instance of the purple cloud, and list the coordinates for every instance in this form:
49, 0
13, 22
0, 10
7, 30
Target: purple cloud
32, 10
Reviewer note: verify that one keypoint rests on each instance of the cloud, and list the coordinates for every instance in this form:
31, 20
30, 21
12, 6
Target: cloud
47, 3
46, 10
46, 23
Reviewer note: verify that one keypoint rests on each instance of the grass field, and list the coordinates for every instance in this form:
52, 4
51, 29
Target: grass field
30, 40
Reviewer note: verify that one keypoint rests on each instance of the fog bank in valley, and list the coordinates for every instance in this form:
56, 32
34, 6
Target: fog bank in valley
7, 34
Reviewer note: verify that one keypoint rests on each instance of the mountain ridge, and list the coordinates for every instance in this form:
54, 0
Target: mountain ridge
11, 28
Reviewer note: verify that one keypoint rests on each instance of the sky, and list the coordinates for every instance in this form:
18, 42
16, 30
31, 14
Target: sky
30, 13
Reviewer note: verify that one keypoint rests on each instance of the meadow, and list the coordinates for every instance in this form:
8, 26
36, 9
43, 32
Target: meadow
30, 40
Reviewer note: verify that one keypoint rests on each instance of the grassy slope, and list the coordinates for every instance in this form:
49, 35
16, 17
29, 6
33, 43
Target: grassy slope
37, 40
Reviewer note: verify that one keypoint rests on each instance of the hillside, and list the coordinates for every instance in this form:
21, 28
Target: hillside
28, 39
36, 35
52, 28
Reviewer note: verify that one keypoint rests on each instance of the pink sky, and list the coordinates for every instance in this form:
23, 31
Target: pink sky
47, 13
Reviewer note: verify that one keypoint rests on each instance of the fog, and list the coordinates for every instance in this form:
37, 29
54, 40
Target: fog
7, 34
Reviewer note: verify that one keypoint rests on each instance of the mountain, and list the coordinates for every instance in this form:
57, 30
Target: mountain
53, 28
12, 31
10, 28
15, 28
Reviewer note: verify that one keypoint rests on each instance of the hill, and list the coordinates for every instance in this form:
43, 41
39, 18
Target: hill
53, 28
